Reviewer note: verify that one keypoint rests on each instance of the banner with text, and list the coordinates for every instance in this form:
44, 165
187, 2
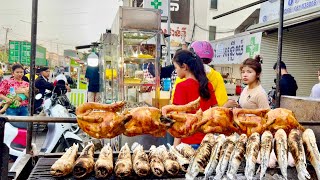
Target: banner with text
178, 32
236, 50
270, 10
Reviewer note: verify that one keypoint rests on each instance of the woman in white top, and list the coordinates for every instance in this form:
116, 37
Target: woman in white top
253, 95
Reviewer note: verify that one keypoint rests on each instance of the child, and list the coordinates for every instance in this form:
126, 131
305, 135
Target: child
189, 66
15, 101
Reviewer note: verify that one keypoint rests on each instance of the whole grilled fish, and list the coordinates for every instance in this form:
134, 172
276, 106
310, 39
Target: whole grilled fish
201, 158
104, 164
155, 161
214, 157
186, 150
85, 162
296, 147
184, 162
64, 165
225, 154
311, 147
140, 161
265, 151
123, 166
252, 151
169, 161
237, 156
281, 148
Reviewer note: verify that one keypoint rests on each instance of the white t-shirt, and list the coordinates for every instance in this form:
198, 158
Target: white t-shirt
62, 77
315, 92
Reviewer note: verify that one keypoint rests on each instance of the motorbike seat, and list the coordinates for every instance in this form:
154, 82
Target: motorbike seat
20, 125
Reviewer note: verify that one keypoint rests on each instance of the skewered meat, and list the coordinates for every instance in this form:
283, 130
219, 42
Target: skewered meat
186, 150
250, 120
311, 147
237, 156
296, 147
145, 120
106, 123
155, 161
225, 155
140, 161
169, 161
85, 162
187, 108
123, 166
281, 148
184, 162
185, 124
281, 118
64, 165
104, 164
214, 157
201, 158
265, 151
219, 120
252, 151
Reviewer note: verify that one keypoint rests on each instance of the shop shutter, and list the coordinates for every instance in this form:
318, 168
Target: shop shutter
301, 53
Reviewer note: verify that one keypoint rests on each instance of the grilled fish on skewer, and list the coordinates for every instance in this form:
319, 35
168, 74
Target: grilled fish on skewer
140, 161
104, 164
311, 147
281, 147
225, 154
296, 147
201, 158
252, 151
155, 161
64, 165
186, 150
169, 161
123, 166
214, 157
184, 162
237, 156
85, 162
265, 151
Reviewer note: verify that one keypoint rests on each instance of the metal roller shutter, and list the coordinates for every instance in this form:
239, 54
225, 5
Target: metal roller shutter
301, 53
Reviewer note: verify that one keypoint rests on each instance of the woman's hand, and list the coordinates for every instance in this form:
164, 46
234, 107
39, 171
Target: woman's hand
231, 104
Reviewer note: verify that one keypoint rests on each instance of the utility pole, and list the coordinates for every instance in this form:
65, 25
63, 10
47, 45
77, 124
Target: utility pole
6, 39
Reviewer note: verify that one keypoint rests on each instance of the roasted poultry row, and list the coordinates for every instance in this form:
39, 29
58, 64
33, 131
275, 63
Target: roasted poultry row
220, 154
105, 120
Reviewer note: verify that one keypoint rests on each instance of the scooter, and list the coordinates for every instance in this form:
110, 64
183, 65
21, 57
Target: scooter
58, 136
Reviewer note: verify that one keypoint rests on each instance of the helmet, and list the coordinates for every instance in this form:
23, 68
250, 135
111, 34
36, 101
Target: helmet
203, 49
1, 73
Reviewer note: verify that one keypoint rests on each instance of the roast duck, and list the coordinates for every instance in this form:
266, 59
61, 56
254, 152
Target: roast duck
110, 120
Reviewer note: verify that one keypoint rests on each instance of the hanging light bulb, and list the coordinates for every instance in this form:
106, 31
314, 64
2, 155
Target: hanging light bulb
93, 60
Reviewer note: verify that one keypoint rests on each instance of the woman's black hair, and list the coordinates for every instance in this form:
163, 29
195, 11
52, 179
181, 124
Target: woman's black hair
16, 66
196, 67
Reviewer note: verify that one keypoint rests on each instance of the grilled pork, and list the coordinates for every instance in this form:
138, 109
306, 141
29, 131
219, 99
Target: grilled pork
104, 164
85, 162
64, 165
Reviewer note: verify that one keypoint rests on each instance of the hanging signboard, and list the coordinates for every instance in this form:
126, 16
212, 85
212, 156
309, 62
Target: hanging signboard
270, 10
178, 32
157, 4
180, 11
236, 50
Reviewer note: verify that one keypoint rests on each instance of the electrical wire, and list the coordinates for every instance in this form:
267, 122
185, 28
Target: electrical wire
229, 31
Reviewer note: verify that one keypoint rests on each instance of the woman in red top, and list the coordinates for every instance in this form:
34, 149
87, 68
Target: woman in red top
188, 65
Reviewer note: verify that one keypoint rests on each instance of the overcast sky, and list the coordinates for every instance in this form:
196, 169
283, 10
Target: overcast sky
66, 23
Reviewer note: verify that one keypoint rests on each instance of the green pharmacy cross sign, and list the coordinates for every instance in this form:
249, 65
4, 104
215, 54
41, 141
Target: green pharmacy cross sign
252, 47
156, 4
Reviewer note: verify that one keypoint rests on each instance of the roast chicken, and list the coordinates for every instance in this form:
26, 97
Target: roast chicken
218, 120
102, 120
281, 118
145, 120
250, 121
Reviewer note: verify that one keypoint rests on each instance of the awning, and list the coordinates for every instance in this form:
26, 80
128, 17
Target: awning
289, 20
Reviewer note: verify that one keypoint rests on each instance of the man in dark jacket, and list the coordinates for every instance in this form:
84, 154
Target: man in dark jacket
288, 85
42, 83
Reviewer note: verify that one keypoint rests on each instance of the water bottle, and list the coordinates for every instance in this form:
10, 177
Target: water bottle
12, 91
166, 84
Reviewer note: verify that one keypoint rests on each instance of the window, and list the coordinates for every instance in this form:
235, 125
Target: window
214, 4
212, 33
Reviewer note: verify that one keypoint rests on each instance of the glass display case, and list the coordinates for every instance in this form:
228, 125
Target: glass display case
131, 55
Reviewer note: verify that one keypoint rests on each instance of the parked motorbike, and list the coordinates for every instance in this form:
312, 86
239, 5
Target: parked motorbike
272, 97
59, 135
